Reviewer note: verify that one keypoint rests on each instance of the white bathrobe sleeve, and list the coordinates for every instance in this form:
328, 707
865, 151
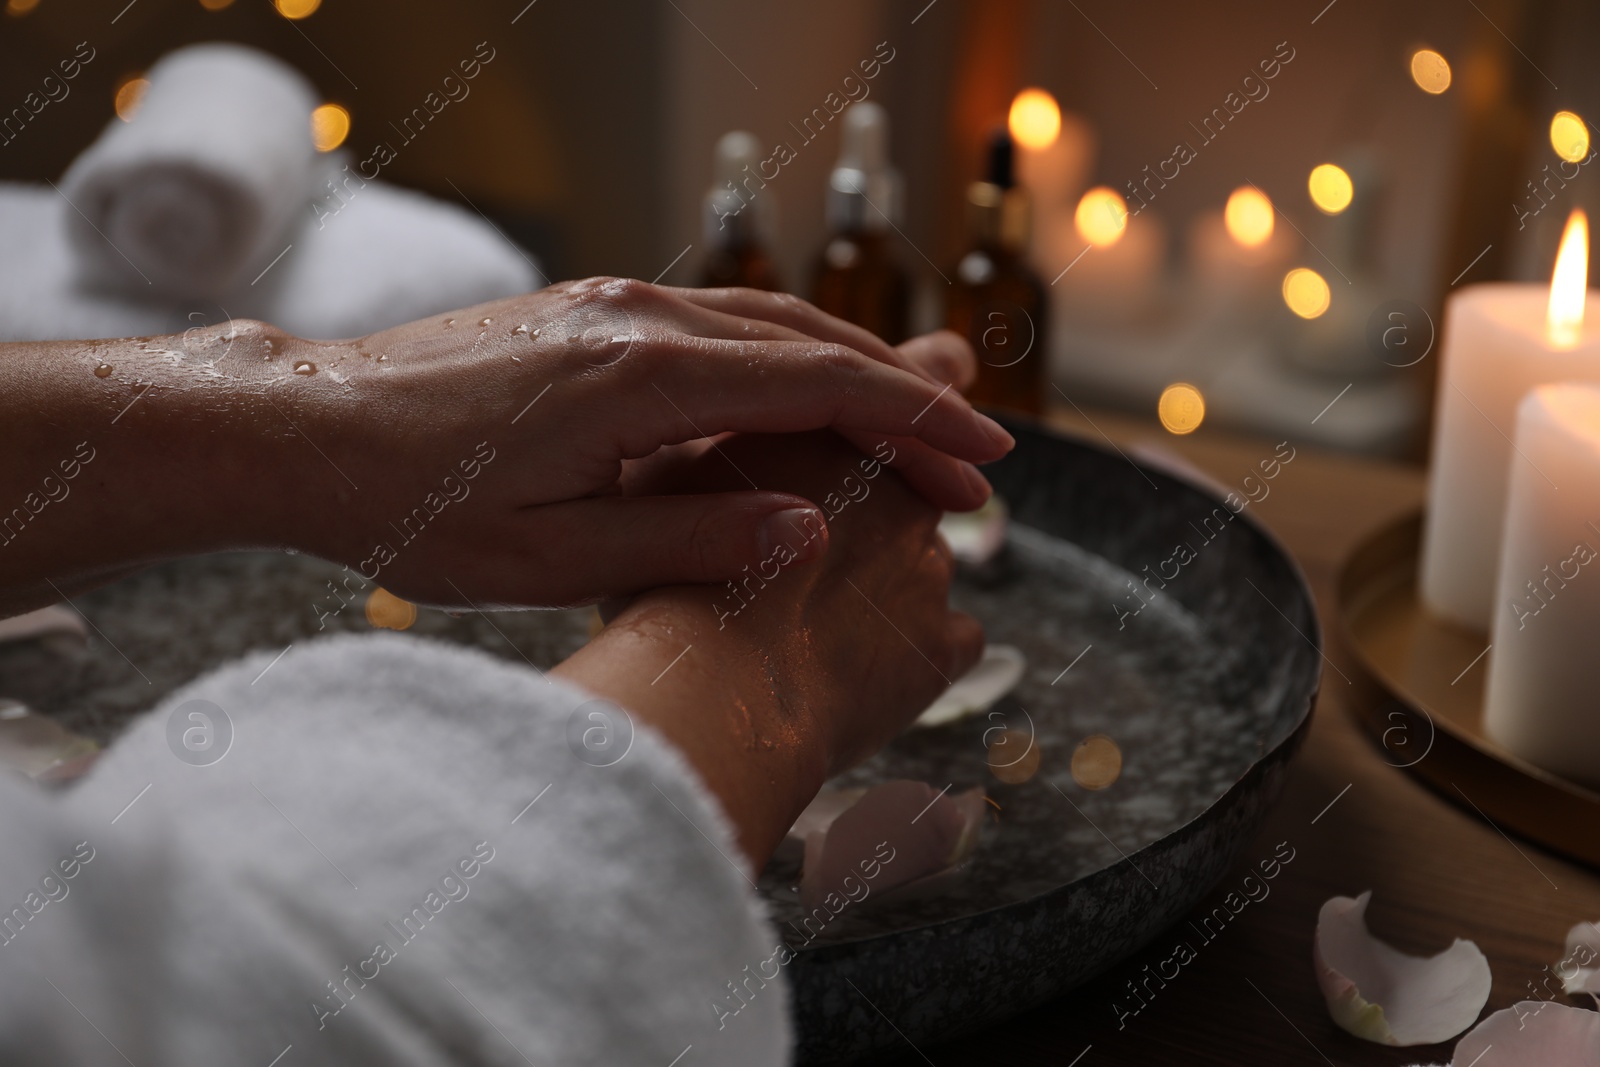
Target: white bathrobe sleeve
407, 853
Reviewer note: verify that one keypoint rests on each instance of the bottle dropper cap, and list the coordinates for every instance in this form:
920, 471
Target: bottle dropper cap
997, 207
864, 189
738, 208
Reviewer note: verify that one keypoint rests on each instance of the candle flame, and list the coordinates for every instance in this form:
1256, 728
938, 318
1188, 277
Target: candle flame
1569, 283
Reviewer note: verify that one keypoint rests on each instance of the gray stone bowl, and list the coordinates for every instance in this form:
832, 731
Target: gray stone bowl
1207, 691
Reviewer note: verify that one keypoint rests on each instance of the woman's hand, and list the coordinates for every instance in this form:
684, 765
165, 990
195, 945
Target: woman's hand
544, 398
469, 460
773, 683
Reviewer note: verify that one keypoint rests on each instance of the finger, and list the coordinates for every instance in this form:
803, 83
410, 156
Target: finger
944, 481
944, 356
795, 387
803, 318
963, 643
634, 543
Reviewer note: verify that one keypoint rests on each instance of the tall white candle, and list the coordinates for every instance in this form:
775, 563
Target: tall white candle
1499, 342
1540, 702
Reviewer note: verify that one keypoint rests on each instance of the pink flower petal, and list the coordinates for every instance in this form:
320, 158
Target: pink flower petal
1386, 996
1534, 1033
896, 833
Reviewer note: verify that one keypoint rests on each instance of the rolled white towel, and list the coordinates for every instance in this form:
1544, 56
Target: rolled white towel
193, 196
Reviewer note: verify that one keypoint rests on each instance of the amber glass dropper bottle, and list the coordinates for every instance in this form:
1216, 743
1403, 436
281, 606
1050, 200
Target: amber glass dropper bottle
857, 277
996, 301
737, 218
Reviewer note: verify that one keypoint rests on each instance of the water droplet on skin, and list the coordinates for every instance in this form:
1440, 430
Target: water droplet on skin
305, 366
272, 346
449, 323
367, 354
383, 359
516, 359
534, 334
103, 370
521, 331
485, 321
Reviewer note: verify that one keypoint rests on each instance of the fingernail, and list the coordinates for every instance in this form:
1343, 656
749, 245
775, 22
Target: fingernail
996, 432
794, 534
976, 481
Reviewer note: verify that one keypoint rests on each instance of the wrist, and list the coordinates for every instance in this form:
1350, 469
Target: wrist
712, 693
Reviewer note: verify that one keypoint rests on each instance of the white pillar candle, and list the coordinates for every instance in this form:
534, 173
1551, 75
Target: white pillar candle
1540, 702
1499, 342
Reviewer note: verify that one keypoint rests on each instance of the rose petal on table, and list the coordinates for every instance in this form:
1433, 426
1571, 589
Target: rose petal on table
40, 747
1381, 994
896, 833
992, 677
1533, 1033
1579, 969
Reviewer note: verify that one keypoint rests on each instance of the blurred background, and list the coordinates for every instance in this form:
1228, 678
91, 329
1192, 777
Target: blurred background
1215, 249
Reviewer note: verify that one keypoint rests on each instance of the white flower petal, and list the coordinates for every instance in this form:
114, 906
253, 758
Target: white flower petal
975, 537
1579, 969
1534, 1033
1384, 995
995, 675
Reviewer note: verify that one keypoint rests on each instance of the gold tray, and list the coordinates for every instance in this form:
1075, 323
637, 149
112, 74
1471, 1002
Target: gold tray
1418, 691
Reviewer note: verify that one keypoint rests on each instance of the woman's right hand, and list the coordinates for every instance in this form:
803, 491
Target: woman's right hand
802, 668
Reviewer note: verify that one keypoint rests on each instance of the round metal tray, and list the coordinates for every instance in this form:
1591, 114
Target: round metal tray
1207, 691
1419, 692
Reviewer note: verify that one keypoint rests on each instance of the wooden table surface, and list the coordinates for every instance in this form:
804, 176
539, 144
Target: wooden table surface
1437, 871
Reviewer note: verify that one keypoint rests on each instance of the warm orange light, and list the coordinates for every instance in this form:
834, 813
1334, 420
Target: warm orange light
1249, 216
1430, 71
1096, 762
1569, 283
1035, 119
130, 94
388, 612
1181, 408
1331, 188
215, 5
1306, 292
1569, 136
1102, 216
20, 7
296, 9
330, 125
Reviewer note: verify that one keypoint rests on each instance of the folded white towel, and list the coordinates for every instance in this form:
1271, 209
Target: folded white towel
193, 196
389, 256
382, 256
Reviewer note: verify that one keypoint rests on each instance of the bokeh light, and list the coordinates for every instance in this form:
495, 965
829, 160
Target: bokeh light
388, 612
1430, 71
1096, 762
296, 9
330, 125
215, 5
1181, 408
1013, 756
1569, 136
20, 7
1035, 119
1102, 216
1249, 216
1331, 188
130, 94
1306, 292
